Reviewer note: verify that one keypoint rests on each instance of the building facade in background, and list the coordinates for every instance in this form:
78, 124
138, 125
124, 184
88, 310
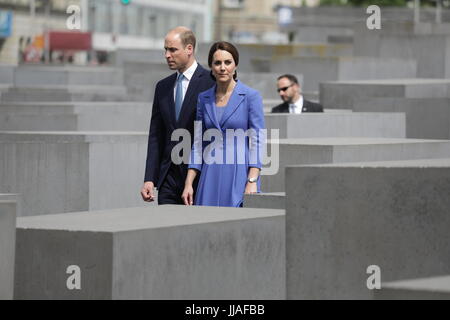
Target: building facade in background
144, 23
114, 24
30, 19
253, 21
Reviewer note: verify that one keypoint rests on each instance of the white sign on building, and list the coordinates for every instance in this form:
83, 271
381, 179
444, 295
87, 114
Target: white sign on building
284, 15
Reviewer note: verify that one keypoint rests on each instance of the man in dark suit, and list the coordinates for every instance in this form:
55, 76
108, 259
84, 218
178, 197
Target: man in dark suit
174, 107
289, 90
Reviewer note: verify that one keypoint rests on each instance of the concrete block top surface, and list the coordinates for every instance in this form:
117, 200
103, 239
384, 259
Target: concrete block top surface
275, 102
428, 102
331, 115
409, 81
336, 59
418, 163
75, 104
3, 201
120, 220
272, 194
70, 136
432, 284
9, 197
337, 110
50, 68
349, 141
7, 194
70, 87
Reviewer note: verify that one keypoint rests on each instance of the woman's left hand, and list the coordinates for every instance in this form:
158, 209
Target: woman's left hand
251, 187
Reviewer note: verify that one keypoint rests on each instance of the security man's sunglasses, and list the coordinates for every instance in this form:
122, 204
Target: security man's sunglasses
284, 88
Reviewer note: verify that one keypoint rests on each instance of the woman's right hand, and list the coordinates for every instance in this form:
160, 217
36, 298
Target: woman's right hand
188, 195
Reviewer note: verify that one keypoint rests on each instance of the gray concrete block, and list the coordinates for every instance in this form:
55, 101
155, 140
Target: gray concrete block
67, 75
317, 48
75, 116
354, 124
433, 28
268, 200
337, 110
339, 150
431, 288
430, 63
67, 171
257, 57
141, 78
447, 59
6, 74
321, 33
167, 252
330, 16
323, 49
340, 39
321, 69
427, 118
311, 95
404, 28
247, 52
343, 93
12, 197
65, 93
322, 23
4, 87
338, 16
349, 216
8, 208
122, 56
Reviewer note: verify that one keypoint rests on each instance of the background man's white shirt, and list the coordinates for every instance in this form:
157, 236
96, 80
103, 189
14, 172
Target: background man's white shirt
297, 106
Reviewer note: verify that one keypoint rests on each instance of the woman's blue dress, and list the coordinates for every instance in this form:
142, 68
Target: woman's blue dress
226, 153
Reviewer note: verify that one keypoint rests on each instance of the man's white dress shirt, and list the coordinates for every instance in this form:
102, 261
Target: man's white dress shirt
187, 78
297, 106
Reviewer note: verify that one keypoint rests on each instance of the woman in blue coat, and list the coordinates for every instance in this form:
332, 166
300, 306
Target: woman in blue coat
228, 141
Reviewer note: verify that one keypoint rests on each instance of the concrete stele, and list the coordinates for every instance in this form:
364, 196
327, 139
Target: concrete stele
8, 208
350, 216
166, 252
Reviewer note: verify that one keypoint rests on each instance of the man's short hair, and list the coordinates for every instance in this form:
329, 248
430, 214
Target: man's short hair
291, 77
188, 37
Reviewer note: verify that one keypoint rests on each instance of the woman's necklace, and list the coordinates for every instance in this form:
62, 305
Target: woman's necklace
222, 98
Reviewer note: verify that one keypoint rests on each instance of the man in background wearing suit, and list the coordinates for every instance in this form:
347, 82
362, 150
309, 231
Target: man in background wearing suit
174, 107
289, 90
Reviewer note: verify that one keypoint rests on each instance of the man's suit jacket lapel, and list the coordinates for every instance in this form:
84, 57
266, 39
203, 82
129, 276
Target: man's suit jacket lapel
285, 107
168, 100
306, 106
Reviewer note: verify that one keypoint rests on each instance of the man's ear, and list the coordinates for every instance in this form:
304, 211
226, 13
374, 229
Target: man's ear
190, 48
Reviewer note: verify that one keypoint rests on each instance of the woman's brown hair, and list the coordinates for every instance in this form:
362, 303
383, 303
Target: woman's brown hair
226, 46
